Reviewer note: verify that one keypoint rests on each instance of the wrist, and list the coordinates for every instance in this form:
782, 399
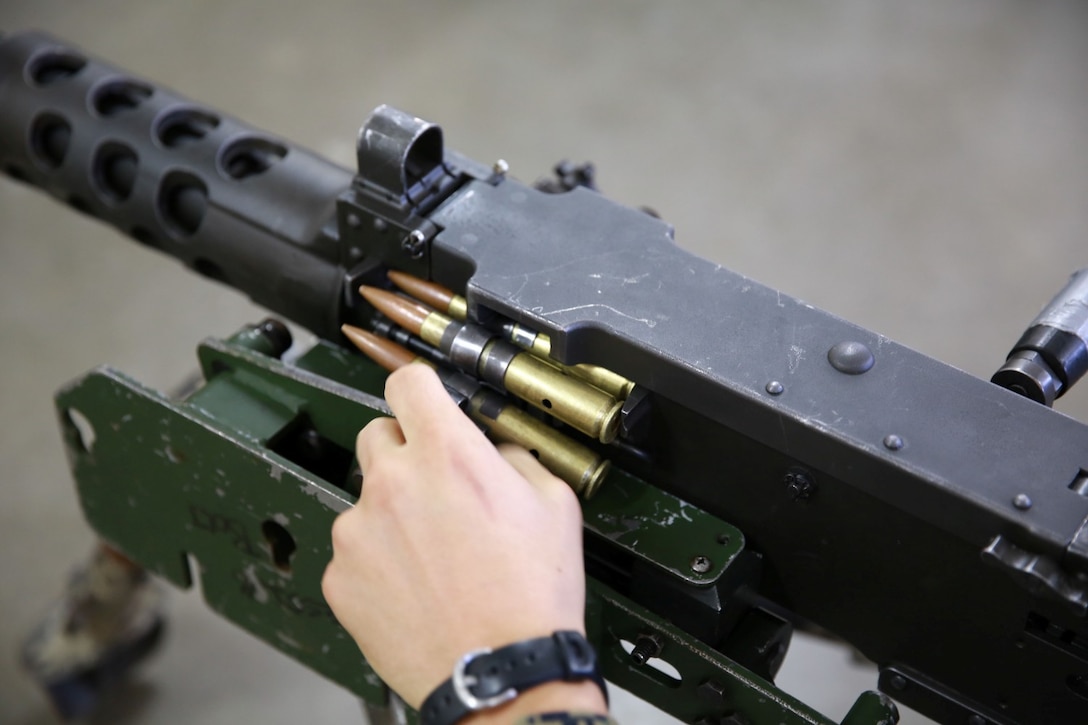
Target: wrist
525, 677
581, 697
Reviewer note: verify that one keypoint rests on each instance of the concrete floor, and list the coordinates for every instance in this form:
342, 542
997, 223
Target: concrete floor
919, 168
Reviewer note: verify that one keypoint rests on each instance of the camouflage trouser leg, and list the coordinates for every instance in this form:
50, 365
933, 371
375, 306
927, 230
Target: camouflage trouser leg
108, 618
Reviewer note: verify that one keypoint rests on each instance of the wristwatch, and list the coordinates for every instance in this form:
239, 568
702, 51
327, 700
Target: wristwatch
486, 678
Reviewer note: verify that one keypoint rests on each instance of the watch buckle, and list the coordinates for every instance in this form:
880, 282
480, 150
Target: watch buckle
462, 681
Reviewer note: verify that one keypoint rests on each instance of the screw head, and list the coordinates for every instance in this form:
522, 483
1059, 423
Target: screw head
414, 244
799, 484
500, 167
700, 564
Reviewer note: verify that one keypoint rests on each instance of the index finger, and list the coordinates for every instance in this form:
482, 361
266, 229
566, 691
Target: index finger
423, 406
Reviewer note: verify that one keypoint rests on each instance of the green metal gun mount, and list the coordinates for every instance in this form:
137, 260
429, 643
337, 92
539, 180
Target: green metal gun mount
237, 486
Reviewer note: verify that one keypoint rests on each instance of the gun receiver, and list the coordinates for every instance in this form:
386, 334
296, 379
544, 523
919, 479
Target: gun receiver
936, 522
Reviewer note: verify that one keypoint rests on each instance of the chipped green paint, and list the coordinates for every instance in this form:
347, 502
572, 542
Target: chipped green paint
196, 488
661, 529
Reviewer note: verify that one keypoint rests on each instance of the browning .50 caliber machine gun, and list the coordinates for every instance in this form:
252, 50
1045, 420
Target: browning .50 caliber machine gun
860, 487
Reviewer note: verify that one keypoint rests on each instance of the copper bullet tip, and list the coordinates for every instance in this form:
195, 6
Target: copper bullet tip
386, 353
426, 292
409, 315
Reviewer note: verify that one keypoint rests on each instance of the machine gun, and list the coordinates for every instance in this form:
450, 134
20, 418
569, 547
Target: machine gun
776, 465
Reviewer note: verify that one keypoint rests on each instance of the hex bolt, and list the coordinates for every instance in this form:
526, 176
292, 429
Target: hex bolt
414, 244
647, 646
799, 484
712, 691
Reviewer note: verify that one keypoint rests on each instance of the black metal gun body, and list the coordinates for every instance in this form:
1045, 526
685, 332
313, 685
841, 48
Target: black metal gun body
931, 519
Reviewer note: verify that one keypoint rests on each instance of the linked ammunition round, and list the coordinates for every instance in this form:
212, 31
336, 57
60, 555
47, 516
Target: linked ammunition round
476, 351
572, 401
572, 462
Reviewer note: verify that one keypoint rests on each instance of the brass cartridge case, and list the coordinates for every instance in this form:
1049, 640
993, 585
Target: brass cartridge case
540, 345
572, 401
572, 462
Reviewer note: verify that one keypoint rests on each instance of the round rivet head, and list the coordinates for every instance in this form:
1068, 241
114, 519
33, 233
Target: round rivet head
851, 358
893, 442
774, 388
1022, 501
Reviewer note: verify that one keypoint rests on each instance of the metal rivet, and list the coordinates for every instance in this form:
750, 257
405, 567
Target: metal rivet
976, 720
380, 225
500, 167
353, 220
893, 442
774, 387
898, 682
852, 358
1022, 501
700, 564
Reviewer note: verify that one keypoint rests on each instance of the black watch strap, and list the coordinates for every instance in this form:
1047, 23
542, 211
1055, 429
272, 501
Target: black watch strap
486, 678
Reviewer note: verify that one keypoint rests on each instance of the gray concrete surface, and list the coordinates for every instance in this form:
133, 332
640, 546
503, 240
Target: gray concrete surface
919, 168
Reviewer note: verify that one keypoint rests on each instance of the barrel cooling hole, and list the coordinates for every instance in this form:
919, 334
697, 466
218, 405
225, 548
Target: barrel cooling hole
48, 68
182, 202
249, 156
184, 126
114, 171
115, 97
50, 135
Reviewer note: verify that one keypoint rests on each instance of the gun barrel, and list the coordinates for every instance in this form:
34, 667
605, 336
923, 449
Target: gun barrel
236, 204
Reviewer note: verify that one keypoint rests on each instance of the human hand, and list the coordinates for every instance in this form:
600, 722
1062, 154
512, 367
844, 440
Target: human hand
454, 545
